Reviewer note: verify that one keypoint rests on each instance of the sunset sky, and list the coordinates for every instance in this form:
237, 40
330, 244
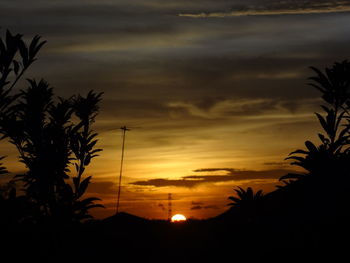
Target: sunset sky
214, 90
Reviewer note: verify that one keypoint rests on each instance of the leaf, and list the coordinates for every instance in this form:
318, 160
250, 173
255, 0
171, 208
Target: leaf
15, 66
323, 138
23, 50
291, 176
299, 152
2, 47
83, 186
317, 87
322, 122
259, 193
92, 136
3, 170
95, 151
88, 201
326, 109
9, 39
91, 145
322, 79
343, 132
34, 47
95, 206
76, 182
297, 158
239, 191
339, 119
310, 146
234, 199
249, 191
87, 160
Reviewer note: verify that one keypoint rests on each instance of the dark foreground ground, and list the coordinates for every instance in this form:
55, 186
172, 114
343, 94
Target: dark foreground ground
126, 238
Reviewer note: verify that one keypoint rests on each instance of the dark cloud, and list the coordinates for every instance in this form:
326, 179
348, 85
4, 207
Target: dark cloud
229, 170
199, 207
166, 182
231, 175
196, 207
202, 70
271, 7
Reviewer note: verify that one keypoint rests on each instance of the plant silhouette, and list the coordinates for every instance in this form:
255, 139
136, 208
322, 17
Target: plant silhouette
15, 59
326, 164
331, 157
247, 202
51, 134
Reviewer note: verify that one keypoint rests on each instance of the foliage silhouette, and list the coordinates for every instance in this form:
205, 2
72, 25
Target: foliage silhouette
51, 135
247, 202
331, 157
15, 59
302, 196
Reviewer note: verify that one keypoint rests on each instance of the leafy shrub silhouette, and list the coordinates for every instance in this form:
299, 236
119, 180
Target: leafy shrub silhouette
321, 192
248, 203
15, 59
51, 135
331, 157
302, 195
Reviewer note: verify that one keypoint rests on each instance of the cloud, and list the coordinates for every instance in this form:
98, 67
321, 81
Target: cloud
226, 107
230, 170
231, 175
241, 107
166, 182
199, 207
280, 8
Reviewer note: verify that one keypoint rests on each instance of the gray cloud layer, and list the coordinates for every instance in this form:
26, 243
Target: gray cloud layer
273, 8
231, 175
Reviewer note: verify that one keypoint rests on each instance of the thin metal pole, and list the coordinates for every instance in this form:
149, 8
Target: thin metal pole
124, 129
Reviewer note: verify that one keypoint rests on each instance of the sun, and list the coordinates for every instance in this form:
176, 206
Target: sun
178, 218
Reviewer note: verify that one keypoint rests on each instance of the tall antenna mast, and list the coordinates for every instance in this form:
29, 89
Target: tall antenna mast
124, 129
169, 207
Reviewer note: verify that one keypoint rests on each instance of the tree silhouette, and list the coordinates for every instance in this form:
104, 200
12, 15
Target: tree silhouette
15, 59
247, 202
331, 157
51, 135
322, 190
